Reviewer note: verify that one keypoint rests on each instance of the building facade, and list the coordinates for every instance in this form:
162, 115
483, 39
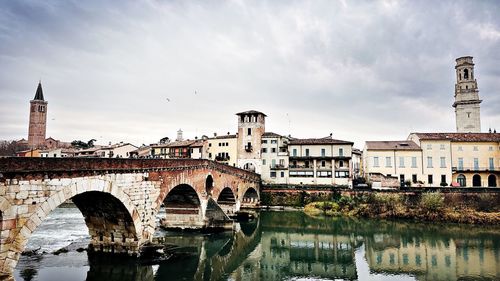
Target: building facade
223, 149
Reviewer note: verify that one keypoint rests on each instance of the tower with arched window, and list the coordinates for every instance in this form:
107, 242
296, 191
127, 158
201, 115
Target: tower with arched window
38, 119
251, 127
467, 102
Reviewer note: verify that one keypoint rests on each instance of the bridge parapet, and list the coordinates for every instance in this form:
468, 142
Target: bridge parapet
13, 167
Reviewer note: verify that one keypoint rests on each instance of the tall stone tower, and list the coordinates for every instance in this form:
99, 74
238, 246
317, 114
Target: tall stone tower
251, 127
467, 111
38, 119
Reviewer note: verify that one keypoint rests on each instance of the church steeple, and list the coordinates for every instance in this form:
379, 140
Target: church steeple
467, 102
39, 92
38, 119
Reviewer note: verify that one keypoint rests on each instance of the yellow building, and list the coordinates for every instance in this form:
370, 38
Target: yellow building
223, 148
392, 162
468, 159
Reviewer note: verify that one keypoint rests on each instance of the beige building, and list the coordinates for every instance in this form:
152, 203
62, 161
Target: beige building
392, 163
119, 150
470, 159
222, 149
320, 161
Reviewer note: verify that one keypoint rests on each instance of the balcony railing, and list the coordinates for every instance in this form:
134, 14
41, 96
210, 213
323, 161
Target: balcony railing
278, 167
300, 167
222, 158
248, 148
475, 169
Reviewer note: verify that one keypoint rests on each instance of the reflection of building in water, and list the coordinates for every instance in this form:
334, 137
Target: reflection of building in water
319, 255
431, 259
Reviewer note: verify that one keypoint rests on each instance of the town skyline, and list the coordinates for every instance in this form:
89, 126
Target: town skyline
312, 73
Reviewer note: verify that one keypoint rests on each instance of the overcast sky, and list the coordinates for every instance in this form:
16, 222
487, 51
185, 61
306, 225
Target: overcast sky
362, 70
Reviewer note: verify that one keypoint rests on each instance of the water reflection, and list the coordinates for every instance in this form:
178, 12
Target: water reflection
291, 245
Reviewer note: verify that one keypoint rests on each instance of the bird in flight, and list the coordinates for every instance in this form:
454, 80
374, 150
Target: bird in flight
168, 99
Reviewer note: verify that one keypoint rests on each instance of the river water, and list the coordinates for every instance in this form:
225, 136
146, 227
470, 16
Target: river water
278, 246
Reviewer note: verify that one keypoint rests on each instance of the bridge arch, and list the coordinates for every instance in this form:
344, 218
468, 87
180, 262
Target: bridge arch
182, 207
209, 184
112, 220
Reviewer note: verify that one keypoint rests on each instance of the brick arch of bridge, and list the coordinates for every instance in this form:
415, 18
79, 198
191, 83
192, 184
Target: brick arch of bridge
128, 221
195, 178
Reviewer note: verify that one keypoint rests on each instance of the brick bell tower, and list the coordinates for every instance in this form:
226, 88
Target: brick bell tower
467, 109
38, 119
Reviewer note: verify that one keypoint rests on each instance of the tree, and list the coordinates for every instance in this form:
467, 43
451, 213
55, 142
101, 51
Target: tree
90, 143
9, 148
165, 140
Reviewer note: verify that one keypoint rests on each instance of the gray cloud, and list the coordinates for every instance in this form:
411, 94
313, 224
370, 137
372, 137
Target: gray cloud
362, 70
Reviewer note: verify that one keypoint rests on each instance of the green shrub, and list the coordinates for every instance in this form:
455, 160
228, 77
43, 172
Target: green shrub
432, 201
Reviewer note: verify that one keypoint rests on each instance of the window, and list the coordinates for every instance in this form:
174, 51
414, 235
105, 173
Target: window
324, 174
388, 162
429, 162
443, 162
263, 161
430, 179
460, 148
273, 141
401, 162
343, 174
264, 150
323, 152
460, 163
443, 179
264, 141
249, 131
210, 155
414, 178
441, 147
341, 164
375, 162
429, 147
306, 164
492, 165
461, 180
476, 163
323, 163
282, 162
273, 174
490, 148
273, 163
220, 144
475, 148
282, 174
402, 178
341, 152
307, 152
273, 150
414, 162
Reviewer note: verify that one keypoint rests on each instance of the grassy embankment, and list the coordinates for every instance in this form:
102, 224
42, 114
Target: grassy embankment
435, 206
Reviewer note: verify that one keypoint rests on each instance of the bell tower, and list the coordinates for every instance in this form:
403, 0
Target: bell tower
38, 119
467, 109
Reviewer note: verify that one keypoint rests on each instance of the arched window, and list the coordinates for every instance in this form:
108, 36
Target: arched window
476, 180
466, 73
492, 181
461, 180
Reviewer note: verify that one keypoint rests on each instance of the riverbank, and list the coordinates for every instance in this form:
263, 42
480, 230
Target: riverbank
435, 207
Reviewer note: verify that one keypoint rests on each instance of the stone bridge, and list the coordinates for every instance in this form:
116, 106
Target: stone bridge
119, 198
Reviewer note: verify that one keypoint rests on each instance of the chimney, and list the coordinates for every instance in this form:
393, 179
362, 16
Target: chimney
215, 134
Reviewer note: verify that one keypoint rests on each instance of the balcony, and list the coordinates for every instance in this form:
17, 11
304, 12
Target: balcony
222, 158
475, 169
302, 167
279, 167
248, 148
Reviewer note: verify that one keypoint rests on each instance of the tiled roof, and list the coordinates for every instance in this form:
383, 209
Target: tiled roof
392, 145
327, 140
270, 134
460, 137
224, 137
250, 112
180, 143
197, 144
